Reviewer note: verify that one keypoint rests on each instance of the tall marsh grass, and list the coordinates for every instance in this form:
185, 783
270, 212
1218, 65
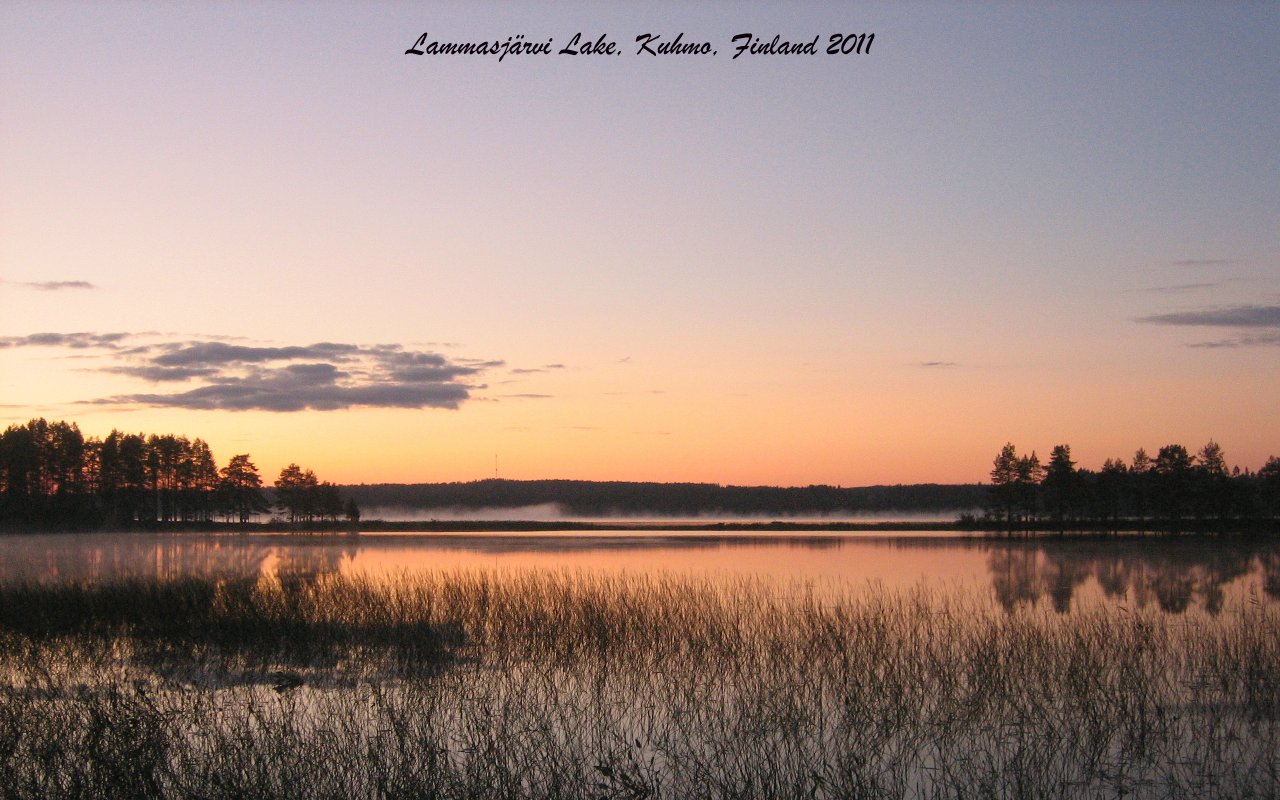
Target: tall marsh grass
543, 684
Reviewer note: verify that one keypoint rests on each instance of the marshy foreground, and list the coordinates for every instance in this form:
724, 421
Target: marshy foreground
554, 684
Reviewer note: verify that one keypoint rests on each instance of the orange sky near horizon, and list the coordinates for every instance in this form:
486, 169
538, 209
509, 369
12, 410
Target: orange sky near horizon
846, 270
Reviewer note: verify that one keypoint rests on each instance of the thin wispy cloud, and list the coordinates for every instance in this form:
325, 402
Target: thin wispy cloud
1203, 262
936, 364
1181, 287
1262, 324
324, 376
51, 286
536, 370
1263, 340
1228, 317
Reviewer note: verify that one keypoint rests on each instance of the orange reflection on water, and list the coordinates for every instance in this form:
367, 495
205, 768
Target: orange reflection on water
1173, 574
820, 558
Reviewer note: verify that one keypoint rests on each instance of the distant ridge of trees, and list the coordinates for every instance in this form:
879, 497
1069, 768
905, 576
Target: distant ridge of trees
1171, 488
627, 498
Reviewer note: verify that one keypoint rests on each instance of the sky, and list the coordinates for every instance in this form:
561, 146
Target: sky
266, 225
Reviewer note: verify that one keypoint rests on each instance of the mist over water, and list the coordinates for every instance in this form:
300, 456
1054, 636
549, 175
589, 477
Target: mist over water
555, 512
544, 512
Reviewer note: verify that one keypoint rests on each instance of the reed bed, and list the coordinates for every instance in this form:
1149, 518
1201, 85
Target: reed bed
569, 685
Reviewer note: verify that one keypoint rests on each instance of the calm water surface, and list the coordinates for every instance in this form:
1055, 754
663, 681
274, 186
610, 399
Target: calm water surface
1176, 575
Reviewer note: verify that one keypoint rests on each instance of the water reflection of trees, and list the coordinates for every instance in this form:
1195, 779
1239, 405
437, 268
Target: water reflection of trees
307, 563
95, 558
1271, 574
1171, 575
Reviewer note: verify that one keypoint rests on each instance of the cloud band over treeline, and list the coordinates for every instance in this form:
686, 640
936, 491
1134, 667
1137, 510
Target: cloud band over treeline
324, 376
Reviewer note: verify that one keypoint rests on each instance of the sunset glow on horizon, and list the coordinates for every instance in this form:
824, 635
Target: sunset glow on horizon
267, 227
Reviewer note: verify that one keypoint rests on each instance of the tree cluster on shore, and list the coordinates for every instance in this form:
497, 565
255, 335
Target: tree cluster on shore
52, 475
1173, 487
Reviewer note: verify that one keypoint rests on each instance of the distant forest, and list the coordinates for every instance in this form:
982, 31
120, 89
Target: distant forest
52, 476
1171, 487
608, 498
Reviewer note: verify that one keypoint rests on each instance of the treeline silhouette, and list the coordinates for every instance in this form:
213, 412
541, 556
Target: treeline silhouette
53, 476
625, 498
1172, 488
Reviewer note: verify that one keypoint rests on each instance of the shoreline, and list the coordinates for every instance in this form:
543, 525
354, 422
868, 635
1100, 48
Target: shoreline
980, 529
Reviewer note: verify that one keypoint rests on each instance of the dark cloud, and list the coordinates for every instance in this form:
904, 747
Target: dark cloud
311, 374
215, 353
322, 376
298, 387
395, 356
423, 374
1261, 322
937, 364
162, 374
287, 396
77, 341
1230, 317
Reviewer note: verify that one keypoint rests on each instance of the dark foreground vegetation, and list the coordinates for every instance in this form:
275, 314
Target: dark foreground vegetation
478, 685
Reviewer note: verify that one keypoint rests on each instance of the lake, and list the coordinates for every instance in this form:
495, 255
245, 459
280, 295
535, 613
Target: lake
639, 664
1174, 574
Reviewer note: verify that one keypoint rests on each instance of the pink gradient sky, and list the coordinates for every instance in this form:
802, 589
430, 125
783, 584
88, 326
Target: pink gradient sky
1043, 224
